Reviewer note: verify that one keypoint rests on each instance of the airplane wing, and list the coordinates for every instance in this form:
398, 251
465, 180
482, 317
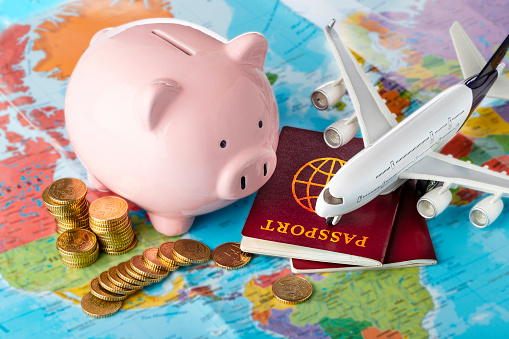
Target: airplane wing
373, 116
439, 167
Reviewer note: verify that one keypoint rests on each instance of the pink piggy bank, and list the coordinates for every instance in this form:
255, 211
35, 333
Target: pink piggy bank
173, 117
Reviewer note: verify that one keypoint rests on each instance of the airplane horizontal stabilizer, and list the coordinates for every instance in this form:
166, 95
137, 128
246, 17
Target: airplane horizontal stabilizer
500, 89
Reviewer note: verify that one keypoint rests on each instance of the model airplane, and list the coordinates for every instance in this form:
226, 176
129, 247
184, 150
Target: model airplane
395, 152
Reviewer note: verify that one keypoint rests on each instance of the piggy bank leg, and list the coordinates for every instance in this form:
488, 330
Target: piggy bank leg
96, 183
171, 226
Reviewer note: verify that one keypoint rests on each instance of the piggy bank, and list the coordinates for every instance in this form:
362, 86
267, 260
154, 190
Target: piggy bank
174, 118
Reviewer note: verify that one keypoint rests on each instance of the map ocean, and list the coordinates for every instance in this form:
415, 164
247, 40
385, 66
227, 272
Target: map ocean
463, 296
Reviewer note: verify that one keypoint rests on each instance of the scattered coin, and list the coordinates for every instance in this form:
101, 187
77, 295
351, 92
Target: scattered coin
191, 251
107, 284
97, 290
99, 308
116, 280
230, 257
165, 254
292, 289
124, 275
151, 260
139, 267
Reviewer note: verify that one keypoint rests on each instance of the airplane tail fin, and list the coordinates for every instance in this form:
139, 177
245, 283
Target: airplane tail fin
472, 62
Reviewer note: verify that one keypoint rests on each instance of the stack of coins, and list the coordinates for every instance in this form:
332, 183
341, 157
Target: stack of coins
77, 248
292, 289
66, 201
111, 287
109, 220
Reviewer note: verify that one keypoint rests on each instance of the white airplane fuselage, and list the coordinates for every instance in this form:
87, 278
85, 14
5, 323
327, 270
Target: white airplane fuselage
375, 170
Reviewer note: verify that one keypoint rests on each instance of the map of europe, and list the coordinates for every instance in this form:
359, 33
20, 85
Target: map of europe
405, 48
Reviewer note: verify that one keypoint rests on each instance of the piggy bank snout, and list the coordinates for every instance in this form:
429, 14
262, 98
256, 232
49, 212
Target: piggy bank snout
246, 173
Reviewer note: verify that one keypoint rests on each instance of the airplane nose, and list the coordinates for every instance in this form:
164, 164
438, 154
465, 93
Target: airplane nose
321, 206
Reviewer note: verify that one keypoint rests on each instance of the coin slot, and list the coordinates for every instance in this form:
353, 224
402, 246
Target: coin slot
175, 43
243, 182
264, 170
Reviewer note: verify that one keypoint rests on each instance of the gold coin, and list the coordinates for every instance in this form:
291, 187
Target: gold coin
138, 276
55, 207
168, 269
150, 259
61, 230
72, 223
139, 267
116, 280
76, 265
165, 254
193, 251
124, 275
67, 190
125, 229
79, 209
105, 226
106, 284
116, 237
99, 308
76, 241
101, 293
107, 209
292, 289
79, 262
133, 245
78, 256
230, 257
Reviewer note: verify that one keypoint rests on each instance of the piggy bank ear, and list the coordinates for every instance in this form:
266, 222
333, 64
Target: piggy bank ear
98, 35
249, 48
151, 102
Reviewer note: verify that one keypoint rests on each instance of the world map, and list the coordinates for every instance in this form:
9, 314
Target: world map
408, 53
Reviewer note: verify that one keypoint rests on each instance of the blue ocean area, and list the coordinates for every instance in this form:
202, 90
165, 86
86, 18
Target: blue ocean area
472, 297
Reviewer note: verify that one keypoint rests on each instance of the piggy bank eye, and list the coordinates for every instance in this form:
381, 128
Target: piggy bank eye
222, 143
260, 124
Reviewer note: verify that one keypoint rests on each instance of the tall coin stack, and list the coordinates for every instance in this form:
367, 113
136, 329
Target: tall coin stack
66, 201
109, 220
77, 248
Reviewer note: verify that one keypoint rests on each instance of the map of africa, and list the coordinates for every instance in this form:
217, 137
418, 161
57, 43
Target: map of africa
404, 46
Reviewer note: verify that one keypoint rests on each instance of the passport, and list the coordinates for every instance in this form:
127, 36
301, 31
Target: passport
282, 221
409, 245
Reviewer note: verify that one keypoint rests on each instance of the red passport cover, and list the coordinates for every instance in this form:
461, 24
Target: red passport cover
410, 239
283, 210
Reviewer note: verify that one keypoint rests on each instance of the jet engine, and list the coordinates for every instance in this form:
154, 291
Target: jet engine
486, 211
434, 202
341, 132
328, 94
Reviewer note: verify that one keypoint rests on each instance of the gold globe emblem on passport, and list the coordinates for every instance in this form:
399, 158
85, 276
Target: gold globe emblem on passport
311, 178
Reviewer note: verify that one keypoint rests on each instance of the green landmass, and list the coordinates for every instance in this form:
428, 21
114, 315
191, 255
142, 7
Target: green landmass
363, 44
387, 299
339, 106
440, 68
36, 266
344, 327
502, 140
272, 78
485, 149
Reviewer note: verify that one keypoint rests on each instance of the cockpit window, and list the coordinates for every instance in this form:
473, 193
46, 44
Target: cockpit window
330, 199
